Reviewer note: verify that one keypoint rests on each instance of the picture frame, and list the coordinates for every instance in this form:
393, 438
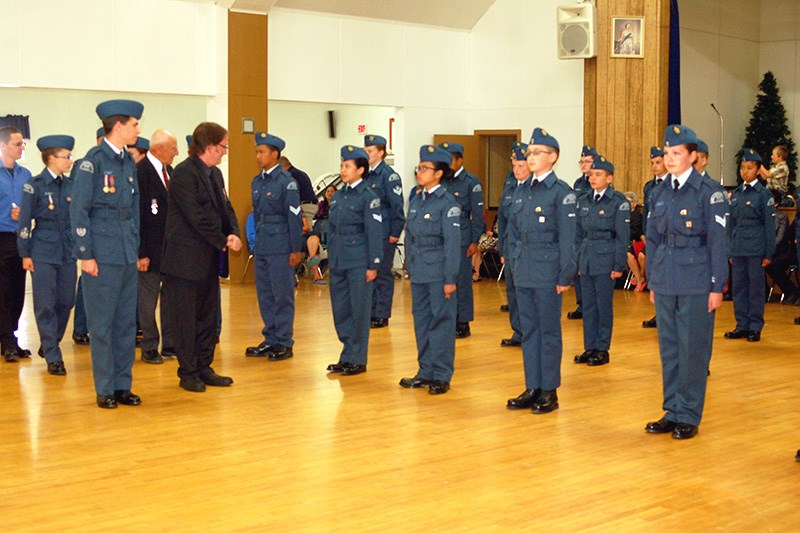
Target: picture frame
627, 37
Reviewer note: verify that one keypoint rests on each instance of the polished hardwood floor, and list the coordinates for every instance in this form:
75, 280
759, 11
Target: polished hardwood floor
288, 448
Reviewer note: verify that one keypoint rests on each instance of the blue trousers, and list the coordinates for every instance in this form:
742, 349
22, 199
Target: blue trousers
685, 338
513, 310
749, 292
598, 310
435, 330
275, 288
53, 298
578, 292
79, 324
466, 312
110, 300
383, 292
540, 318
351, 298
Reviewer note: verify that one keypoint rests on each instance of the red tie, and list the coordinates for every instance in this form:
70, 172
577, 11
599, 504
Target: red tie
166, 178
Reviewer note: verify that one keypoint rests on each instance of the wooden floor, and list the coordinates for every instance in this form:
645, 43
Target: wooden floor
289, 449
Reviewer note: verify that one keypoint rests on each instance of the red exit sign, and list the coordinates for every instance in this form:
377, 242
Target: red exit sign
362, 129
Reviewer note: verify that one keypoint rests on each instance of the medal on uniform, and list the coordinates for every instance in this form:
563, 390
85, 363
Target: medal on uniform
50, 199
427, 215
112, 189
154, 206
688, 223
538, 209
105, 183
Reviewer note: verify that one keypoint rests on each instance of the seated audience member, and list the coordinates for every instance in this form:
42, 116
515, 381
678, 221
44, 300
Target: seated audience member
785, 255
777, 176
636, 253
488, 241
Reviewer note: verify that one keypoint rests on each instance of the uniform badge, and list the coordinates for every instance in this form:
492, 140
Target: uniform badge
676, 130
398, 190
538, 209
23, 233
720, 220
717, 198
748, 202
683, 212
541, 220
292, 186
570, 199
69, 198
28, 188
431, 149
295, 210
81, 232
269, 193
602, 212
427, 216
350, 148
375, 203
378, 217
453, 212
455, 193
130, 179
154, 206
544, 132
371, 137
688, 223
477, 188
445, 145
87, 166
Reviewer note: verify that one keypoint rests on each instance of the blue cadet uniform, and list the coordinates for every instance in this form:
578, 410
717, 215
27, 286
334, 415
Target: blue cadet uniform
540, 252
279, 232
354, 246
104, 216
509, 186
751, 234
433, 237
655, 151
602, 238
581, 187
46, 200
467, 190
687, 261
142, 144
387, 185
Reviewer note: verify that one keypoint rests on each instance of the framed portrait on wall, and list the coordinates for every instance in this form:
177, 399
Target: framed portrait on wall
627, 39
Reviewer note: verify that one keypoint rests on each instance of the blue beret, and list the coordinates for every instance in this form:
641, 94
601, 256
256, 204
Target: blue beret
656, 151
589, 151
264, 138
56, 141
188, 140
678, 134
350, 152
434, 154
702, 147
126, 108
751, 155
372, 140
540, 136
101, 132
519, 151
142, 143
452, 148
601, 163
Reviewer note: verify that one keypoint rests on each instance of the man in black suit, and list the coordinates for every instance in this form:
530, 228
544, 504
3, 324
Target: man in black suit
154, 172
200, 225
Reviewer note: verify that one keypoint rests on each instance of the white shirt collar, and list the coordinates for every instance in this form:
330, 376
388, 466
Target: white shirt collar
682, 178
158, 165
270, 170
52, 173
460, 170
751, 183
116, 150
429, 191
601, 192
355, 183
543, 176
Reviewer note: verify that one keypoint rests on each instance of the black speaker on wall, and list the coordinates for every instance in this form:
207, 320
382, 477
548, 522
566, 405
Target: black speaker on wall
331, 124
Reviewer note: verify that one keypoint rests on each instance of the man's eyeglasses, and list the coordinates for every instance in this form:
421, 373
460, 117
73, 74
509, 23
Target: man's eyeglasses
537, 152
225, 146
421, 168
70, 157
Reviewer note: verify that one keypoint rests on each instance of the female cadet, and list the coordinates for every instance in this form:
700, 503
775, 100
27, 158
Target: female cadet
688, 266
46, 250
355, 249
601, 239
433, 237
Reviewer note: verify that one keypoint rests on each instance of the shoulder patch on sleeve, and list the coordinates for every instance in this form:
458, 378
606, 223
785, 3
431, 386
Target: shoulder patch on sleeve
295, 210
28, 188
625, 206
454, 211
292, 186
570, 199
771, 201
375, 203
398, 190
87, 166
477, 188
717, 198
394, 177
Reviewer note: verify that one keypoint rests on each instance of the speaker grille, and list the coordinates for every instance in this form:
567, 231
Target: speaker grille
575, 38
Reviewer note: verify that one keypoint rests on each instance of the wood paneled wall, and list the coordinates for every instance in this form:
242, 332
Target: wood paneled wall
625, 99
247, 98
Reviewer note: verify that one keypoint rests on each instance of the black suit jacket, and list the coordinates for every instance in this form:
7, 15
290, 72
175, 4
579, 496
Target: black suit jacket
153, 209
198, 222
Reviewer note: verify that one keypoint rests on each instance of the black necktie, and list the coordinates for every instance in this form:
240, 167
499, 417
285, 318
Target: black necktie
675, 184
59, 179
534, 183
596, 198
658, 181
746, 187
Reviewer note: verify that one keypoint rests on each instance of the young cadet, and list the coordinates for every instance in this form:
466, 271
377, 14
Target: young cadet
279, 239
466, 188
104, 215
519, 174
688, 266
433, 237
751, 234
659, 171
581, 187
540, 252
388, 187
601, 239
354, 258
46, 248
702, 158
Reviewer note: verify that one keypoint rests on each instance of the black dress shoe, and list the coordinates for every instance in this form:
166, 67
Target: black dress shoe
215, 380
378, 323
797, 457
152, 357
10, 357
126, 397
80, 338
598, 358
524, 400
577, 314
504, 308
335, 368
262, 350
510, 342
662, 425
106, 402
462, 330
41, 352
57, 368
684, 431
193, 385
790, 299
414, 383
584, 357
547, 402
23, 353
280, 352
737, 334
754, 336
168, 353
650, 323
350, 369
438, 387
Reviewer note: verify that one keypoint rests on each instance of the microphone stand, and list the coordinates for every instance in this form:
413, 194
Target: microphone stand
721, 144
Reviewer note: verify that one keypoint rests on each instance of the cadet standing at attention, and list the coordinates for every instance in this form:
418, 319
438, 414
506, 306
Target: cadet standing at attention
659, 174
601, 239
752, 243
46, 250
388, 187
104, 215
279, 239
433, 237
354, 257
541, 255
688, 264
581, 187
467, 190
